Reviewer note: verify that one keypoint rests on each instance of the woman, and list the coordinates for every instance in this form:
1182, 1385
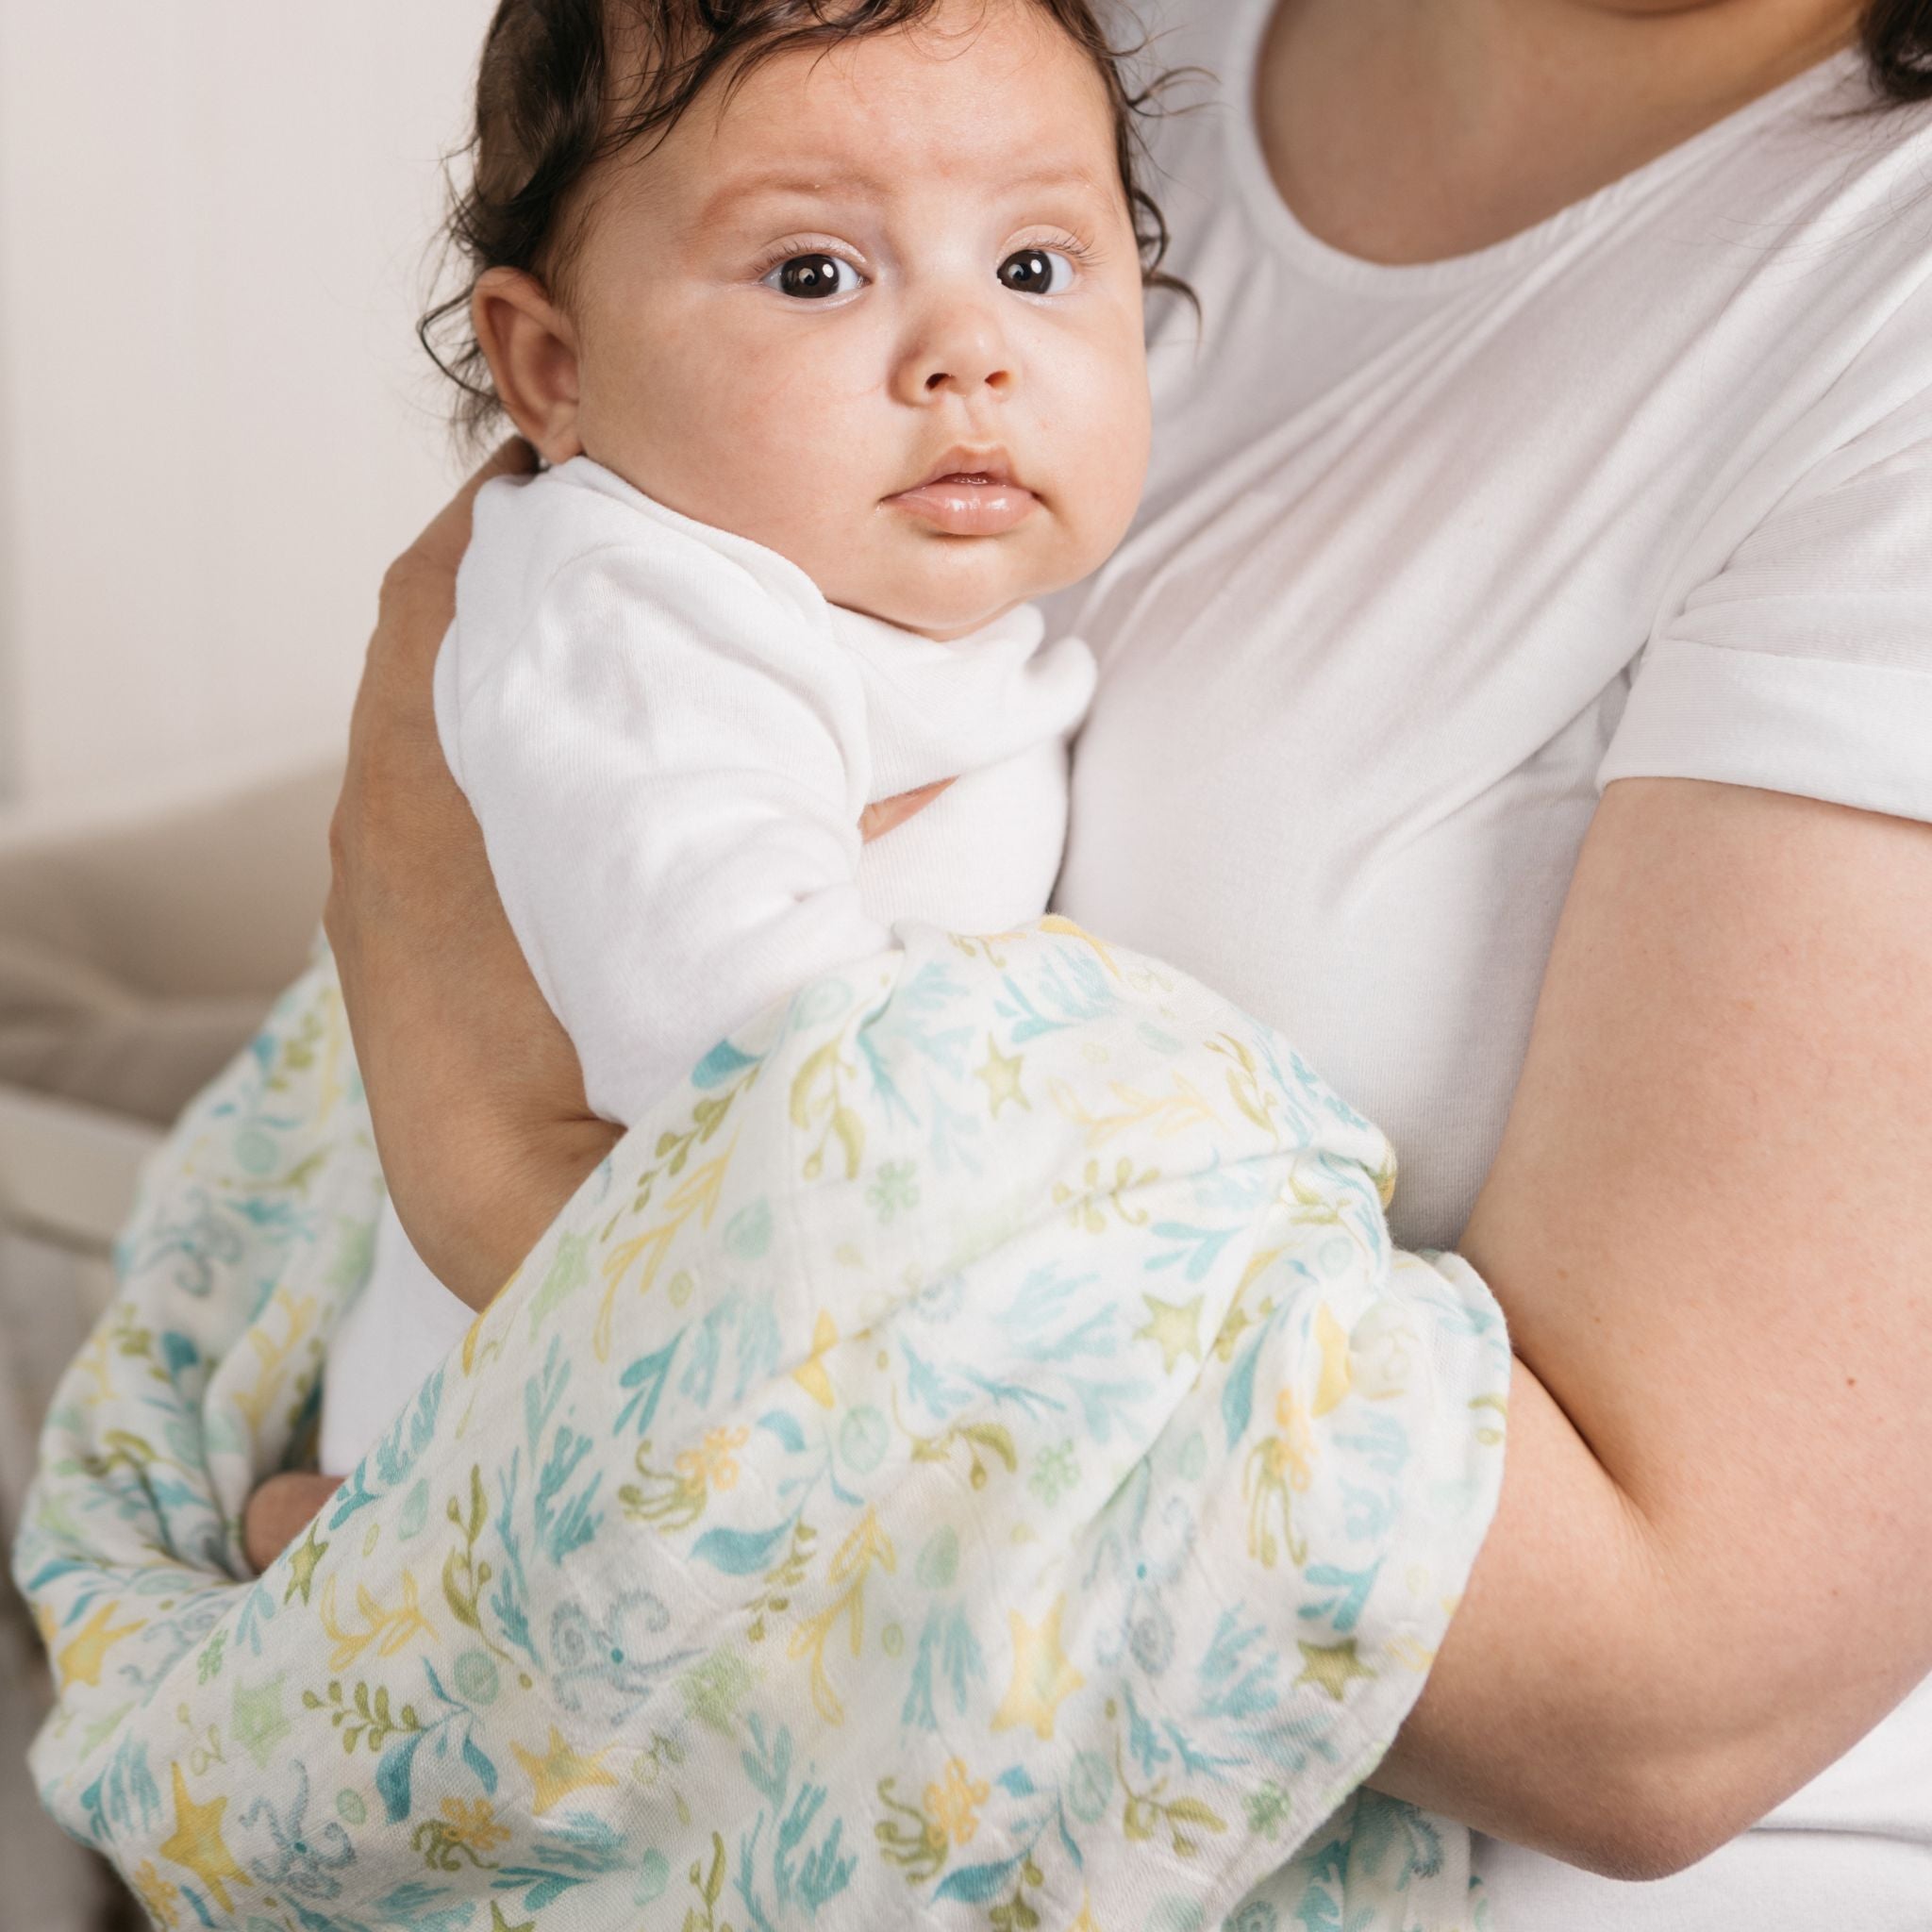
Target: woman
1544, 526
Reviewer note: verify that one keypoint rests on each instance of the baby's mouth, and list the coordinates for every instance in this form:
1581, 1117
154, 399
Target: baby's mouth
968, 493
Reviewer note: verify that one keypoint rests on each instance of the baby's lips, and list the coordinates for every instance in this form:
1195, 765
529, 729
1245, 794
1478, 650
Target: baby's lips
981, 462
961, 505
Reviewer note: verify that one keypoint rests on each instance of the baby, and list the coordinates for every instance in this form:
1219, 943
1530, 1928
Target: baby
827, 317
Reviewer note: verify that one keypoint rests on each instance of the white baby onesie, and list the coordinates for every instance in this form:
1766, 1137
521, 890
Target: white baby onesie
668, 736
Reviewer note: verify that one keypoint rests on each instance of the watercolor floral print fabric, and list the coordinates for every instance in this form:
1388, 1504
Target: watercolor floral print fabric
972, 1458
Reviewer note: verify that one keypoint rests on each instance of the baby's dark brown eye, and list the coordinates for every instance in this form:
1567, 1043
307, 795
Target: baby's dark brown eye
812, 278
1035, 271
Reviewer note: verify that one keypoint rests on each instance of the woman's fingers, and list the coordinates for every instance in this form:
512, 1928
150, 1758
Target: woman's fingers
396, 775
397, 785
876, 820
280, 1510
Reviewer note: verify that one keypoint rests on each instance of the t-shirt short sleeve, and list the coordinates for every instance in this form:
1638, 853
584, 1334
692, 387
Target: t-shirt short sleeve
1804, 662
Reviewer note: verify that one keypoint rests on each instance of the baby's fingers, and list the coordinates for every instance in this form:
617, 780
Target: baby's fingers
876, 820
280, 1510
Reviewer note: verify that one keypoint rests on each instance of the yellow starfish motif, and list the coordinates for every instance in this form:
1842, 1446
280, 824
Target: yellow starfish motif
81, 1661
162, 1900
197, 1843
1332, 1666
1002, 1077
1043, 1677
1174, 1327
302, 1563
560, 1771
810, 1373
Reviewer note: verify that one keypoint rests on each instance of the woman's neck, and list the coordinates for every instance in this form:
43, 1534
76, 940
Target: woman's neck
1412, 130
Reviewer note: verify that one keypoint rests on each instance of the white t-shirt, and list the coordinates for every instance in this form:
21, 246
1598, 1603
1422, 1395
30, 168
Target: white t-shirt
1430, 555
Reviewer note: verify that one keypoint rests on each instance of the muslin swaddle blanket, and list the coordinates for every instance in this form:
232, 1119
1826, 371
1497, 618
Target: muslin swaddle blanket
971, 1457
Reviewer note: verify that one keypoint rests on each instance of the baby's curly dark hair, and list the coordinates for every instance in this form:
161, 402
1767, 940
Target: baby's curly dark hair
553, 99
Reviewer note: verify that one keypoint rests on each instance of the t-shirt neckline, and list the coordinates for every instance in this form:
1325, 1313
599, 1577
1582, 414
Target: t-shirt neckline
1322, 259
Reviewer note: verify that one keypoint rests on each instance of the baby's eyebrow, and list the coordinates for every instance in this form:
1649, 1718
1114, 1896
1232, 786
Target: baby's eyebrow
1059, 175
793, 180
860, 183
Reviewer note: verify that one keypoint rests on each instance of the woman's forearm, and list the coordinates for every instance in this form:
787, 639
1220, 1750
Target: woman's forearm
475, 1098
1708, 1227
1543, 1723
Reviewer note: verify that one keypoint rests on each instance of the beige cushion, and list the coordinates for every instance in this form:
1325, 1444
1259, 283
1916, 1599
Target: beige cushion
140, 944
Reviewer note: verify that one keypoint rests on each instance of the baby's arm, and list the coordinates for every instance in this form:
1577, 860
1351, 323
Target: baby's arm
668, 765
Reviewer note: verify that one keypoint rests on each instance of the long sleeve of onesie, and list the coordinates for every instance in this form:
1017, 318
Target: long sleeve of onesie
667, 754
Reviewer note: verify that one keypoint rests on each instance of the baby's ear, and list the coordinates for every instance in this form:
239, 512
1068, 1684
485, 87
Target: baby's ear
532, 352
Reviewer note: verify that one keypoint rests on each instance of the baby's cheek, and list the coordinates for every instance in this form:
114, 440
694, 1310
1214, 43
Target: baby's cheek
1113, 466
1096, 420
807, 455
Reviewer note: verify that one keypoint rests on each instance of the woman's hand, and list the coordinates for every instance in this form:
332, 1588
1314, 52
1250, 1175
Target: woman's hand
474, 1091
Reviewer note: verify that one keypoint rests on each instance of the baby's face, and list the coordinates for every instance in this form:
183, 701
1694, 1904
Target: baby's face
829, 301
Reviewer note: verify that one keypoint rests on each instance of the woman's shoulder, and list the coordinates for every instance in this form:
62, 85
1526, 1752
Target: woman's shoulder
1825, 175
1803, 249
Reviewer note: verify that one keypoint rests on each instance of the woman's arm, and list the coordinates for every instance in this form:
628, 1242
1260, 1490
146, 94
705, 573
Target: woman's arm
427, 959
1710, 1223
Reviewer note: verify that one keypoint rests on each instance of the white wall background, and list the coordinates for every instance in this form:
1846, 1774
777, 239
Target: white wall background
215, 424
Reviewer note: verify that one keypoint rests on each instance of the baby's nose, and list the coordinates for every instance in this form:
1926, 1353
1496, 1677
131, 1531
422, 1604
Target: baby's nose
963, 354
968, 376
